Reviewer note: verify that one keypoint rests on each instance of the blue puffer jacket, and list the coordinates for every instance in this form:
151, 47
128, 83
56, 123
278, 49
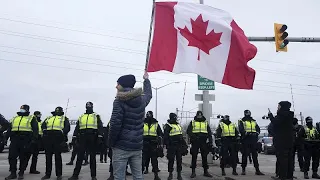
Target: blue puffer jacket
127, 119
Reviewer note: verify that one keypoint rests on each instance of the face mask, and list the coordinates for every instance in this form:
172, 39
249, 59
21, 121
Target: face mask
23, 111
38, 116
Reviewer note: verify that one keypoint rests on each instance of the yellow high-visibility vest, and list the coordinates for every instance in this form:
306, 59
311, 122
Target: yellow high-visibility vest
311, 133
228, 130
88, 121
40, 128
249, 126
152, 131
21, 123
55, 123
199, 127
175, 129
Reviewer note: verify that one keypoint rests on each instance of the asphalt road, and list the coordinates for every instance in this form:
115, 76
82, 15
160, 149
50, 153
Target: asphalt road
267, 165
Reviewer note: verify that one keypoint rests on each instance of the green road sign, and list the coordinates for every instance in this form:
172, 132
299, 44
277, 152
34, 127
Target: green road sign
205, 84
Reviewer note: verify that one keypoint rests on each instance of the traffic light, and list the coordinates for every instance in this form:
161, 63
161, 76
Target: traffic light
280, 36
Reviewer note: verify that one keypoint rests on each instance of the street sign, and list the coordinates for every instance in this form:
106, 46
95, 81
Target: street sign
205, 84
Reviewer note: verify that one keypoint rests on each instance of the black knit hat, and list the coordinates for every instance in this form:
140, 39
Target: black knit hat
89, 104
37, 113
199, 113
172, 116
127, 81
285, 105
25, 107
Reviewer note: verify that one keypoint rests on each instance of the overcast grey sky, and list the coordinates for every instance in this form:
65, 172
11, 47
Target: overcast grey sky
111, 37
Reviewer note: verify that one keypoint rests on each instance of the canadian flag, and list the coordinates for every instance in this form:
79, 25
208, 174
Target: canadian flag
195, 38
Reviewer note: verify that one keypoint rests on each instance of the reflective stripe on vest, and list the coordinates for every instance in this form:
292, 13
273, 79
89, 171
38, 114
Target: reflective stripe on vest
176, 129
199, 127
311, 133
228, 130
250, 126
21, 123
88, 121
55, 123
152, 131
40, 128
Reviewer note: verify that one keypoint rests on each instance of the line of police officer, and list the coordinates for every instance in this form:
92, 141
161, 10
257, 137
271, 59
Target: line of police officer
229, 133
24, 131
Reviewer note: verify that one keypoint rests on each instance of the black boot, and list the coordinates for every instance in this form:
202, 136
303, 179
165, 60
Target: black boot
111, 177
34, 172
223, 172
315, 175
146, 171
193, 174
69, 163
93, 178
170, 176
73, 177
258, 172
243, 171
13, 175
179, 177
59, 177
156, 176
45, 177
21, 175
305, 175
206, 173
234, 172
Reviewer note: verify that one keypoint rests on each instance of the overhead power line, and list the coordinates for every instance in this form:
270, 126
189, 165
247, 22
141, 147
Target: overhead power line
69, 55
104, 72
68, 29
299, 65
86, 62
77, 43
69, 24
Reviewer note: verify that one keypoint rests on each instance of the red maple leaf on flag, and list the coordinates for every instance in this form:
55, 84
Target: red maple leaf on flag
199, 38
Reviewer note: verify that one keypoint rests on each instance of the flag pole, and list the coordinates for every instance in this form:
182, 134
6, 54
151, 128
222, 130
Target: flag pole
150, 33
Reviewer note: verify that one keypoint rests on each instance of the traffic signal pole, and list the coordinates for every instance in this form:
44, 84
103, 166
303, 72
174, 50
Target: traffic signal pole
291, 39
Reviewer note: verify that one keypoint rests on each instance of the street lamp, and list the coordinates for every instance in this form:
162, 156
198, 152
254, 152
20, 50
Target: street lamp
157, 88
67, 109
312, 85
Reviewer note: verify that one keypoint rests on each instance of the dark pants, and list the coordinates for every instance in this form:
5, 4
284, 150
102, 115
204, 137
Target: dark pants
284, 164
103, 153
228, 152
19, 147
249, 148
150, 152
87, 143
174, 152
299, 149
311, 152
34, 153
74, 154
53, 146
195, 146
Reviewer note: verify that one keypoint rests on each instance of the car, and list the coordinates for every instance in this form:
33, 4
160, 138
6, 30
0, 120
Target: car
260, 145
267, 145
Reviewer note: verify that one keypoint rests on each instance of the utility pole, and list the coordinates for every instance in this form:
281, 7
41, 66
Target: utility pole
301, 118
67, 107
294, 110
